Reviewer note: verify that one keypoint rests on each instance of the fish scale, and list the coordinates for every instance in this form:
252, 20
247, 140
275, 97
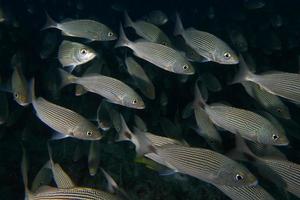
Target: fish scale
76, 193
245, 193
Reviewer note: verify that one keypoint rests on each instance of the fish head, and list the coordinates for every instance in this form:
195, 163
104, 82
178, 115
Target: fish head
86, 131
107, 35
183, 67
85, 54
21, 98
226, 55
270, 135
133, 101
235, 175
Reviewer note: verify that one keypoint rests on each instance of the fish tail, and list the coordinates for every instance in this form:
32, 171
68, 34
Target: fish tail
50, 23
32, 90
128, 21
178, 25
24, 170
124, 134
200, 97
244, 73
241, 150
112, 185
123, 40
66, 78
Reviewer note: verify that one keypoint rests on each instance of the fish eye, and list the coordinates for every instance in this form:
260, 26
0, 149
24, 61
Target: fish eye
89, 133
279, 110
83, 51
16, 95
239, 177
134, 101
227, 55
110, 34
275, 137
185, 67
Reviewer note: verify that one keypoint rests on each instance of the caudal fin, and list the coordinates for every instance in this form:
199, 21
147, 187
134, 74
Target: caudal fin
127, 20
244, 73
123, 40
178, 25
66, 78
200, 97
50, 23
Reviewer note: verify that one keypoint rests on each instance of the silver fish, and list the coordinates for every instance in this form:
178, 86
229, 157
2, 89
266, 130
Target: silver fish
283, 84
72, 54
206, 44
83, 28
142, 81
245, 193
114, 90
63, 120
204, 164
268, 101
19, 83
148, 31
156, 17
248, 124
157, 54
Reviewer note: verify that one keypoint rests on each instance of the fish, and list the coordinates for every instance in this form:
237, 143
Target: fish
282, 172
148, 31
82, 28
283, 84
248, 124
140, 124
204, 164
4, 110
72, 54
157, 54
206, 44
73, 192
245, 193
103, 116
141, 79
112, 89
156, 17
63, 120
19, 83
94, 157
268, 101
43, 177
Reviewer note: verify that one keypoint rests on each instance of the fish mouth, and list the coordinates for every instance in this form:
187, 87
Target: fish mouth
283, 143
255, 183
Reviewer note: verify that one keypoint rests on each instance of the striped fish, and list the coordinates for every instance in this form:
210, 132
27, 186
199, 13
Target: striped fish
268, 101
283, 84
206, 44
78, 193
248, 124
245, 193
63, 120
206, 165
157, 54
72, 54
148, 31
141, 79
114, 90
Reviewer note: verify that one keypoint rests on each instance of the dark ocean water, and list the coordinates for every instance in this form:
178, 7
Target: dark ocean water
21, 33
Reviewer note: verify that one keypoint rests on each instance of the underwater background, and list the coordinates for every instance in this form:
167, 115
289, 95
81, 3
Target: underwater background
273, 43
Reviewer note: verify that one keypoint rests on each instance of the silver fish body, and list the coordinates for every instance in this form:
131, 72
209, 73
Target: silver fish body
246, 123
73, 53
83, 28
158, 54
206, 165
